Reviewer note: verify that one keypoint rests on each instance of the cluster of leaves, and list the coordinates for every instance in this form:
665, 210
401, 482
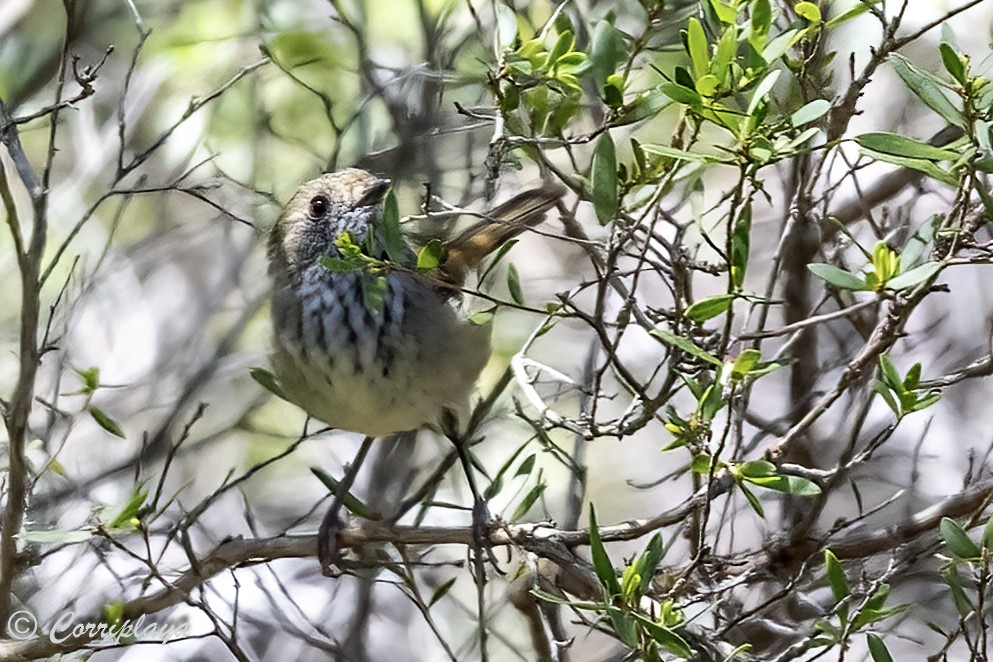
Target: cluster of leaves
887, 271
903, 395
649, 632
854, 612
968, 570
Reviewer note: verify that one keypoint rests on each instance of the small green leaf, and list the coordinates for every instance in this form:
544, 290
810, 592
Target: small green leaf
56, 536
929, 168
396, 248
745, 362
763, 89
105, 421
709, 307
927, 88
752, 500
682, 155
836, 576
130, 510
725, 13
891, 376
913, 277
957, 540
685, 345
483, 317
667, 638
836, 276
348, 500
601, 562
859, 9
91, 380
607, 52
604, 176
810, 112
696, 45
760, 22
441, 591
988, 534
877, 649
681, 94
525, 505
649, 561
429, 257
809, 11
892, 143
953, 63
267, 380
514, 285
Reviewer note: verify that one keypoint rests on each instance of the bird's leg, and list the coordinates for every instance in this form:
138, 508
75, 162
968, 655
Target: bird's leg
327, 536
480, 511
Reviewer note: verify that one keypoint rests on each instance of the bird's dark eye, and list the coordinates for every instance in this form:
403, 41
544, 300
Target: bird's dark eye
318, 207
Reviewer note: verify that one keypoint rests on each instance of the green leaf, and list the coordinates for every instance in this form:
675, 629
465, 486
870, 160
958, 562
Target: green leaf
778, 46
892, 143
396, 248
810, 112
760, 22
725, 13
525, 505
483, 317
267, 380
793, 485
836, 576
514, 285
667, 638
913, 277
846, 280
745, 362
709, 307
105, 421
601, 562
740, 246
696, 45
877, 649
682, 155
859, 9
963, 605
607, 52
957, 540
348, 500
506, 19
441, 591
891, 376
809, 11
685, 345
56, 536
988, 534
604, 176
953, 63
130, 510
752, 500
429, 257
927, 88
649, 561
923, 165
681, 94
90, 378
763, 89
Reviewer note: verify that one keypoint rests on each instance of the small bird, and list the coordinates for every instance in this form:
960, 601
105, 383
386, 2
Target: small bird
364, 340
377, 347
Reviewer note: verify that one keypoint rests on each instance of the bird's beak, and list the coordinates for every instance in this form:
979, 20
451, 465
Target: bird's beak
375, 193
